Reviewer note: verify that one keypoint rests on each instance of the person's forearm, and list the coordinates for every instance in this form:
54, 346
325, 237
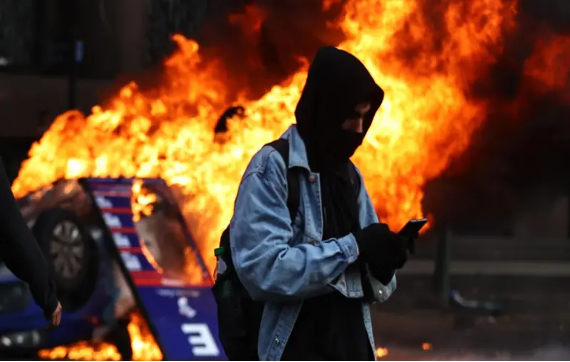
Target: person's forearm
20, 250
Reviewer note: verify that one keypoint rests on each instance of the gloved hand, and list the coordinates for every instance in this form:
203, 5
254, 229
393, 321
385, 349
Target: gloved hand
382, 248
381, 274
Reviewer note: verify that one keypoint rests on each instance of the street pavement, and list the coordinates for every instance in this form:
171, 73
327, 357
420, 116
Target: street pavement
395, 353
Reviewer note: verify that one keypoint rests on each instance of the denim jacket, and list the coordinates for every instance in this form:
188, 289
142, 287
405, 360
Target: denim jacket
283, 263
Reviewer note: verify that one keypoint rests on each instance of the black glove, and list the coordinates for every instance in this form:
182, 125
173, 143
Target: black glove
380, 247
381, 274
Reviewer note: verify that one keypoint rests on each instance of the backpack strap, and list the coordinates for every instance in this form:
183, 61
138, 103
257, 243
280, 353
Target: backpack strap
294, 194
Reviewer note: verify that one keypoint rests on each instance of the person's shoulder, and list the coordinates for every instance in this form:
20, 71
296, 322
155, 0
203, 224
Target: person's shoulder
266, 162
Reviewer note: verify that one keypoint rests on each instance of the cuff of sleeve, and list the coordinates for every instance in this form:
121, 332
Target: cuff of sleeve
349, 247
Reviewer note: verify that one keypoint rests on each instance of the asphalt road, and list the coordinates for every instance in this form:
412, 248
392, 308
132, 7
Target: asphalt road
551, 353
410, 354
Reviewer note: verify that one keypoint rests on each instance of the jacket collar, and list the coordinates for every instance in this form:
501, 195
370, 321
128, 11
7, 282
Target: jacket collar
297, 150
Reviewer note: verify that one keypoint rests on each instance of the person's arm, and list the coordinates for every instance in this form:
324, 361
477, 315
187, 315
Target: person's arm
367, 217
268, 267
20, 250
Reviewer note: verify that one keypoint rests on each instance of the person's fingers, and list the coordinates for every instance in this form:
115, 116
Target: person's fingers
56, 319
59, 311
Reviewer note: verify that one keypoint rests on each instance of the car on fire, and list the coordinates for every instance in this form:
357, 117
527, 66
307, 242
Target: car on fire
114, 247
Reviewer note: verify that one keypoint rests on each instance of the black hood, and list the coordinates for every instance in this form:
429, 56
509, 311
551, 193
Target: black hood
336, 83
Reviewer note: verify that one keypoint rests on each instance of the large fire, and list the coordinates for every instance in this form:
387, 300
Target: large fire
426, 120
168, 132
143, 345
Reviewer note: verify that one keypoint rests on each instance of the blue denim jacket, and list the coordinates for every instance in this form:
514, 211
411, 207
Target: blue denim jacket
283, 263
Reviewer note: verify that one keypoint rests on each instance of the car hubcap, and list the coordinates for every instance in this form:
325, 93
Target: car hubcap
67, 250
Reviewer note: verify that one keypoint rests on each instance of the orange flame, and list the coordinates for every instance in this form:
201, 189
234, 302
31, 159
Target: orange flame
142, 201
143, 346
82, 351
549, 62
250, 21
167, 132
142, 342
327, 4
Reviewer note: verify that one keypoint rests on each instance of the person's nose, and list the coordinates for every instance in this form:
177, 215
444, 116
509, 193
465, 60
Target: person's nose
359, 126
354, 125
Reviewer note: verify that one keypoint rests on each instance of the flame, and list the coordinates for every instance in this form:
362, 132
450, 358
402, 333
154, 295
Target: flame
426, 346
250, 21
142, 343
167, 132
82, 351
327, 4
142, 202
549, 62
381, 352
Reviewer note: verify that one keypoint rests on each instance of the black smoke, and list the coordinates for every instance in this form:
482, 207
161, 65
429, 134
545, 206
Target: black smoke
257, 58
518, 159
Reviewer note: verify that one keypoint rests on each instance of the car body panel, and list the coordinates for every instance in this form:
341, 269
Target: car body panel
181, 314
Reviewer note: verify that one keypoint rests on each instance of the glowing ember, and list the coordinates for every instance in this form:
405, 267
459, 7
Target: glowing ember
381, 352
426, 346
142, 343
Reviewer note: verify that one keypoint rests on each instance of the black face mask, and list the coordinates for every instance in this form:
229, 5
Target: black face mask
344, 144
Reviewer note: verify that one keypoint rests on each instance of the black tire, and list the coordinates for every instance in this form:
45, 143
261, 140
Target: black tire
71, 254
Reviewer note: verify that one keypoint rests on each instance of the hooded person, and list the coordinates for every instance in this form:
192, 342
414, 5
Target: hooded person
318, 271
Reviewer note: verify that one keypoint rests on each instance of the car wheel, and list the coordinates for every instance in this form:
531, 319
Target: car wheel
71, 254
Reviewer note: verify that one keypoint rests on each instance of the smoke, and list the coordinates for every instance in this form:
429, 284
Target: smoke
518, 158
262, 42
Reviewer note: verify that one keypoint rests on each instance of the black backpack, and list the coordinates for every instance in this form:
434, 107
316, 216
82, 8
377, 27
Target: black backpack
239, 317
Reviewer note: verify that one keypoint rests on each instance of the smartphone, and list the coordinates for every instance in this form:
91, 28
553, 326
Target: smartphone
411, 230
413, 227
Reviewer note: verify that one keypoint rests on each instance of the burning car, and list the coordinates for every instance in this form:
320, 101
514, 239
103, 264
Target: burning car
129, 278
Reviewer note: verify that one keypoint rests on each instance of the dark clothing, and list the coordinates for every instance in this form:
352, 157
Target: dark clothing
331, 326
20, 250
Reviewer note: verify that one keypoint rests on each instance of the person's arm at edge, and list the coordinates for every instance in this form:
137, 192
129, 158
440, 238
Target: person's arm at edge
20, 250
260, 232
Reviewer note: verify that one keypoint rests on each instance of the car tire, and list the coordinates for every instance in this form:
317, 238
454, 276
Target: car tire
71, 254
